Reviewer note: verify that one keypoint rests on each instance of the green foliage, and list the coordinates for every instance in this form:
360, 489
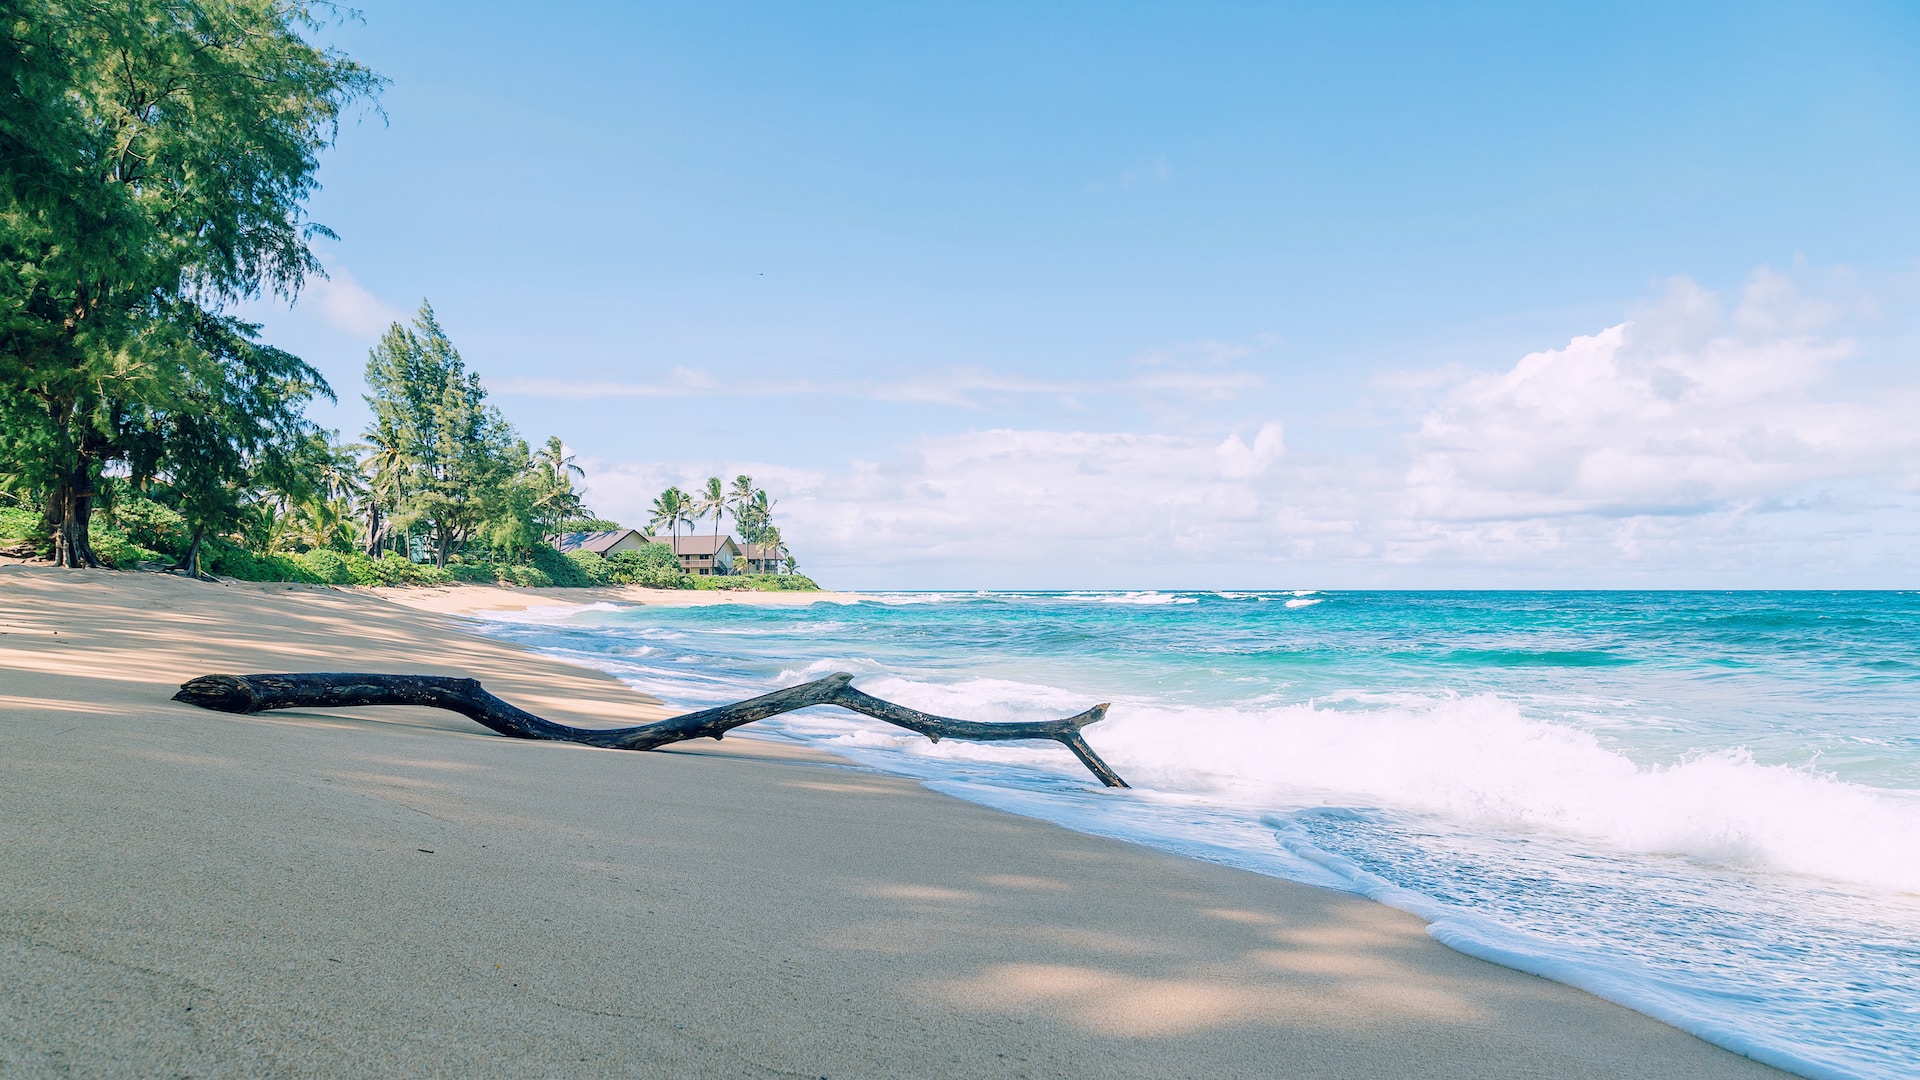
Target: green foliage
391, 569
454, 457
113, 547
597, 570
327, 567
587, 525
653, 566
150, 524
752, 583
671, 510
231, 560
155, 158
525, 576
19, 524
559, 569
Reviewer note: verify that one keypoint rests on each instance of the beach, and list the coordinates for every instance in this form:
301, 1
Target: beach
399, 892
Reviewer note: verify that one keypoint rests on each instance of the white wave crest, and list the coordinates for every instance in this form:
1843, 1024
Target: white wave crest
1471, 760
1479, 760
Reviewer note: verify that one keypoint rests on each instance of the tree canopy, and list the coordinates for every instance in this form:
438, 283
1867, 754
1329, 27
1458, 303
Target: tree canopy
155, 161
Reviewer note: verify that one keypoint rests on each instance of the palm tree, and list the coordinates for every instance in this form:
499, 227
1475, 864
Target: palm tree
338, 484
554, 471
669, 510
387, 464
770, 542
713, 500
740, 499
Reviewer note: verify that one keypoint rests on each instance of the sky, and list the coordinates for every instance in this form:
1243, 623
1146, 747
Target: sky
1174, 295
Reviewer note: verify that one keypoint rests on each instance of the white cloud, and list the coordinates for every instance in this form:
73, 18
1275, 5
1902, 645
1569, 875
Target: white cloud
347, 305
1681, 409
1690, 444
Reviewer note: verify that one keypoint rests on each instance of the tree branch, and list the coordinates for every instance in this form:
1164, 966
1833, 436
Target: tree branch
328, 690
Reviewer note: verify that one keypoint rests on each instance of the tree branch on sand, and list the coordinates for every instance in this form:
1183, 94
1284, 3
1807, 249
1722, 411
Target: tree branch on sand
328, 690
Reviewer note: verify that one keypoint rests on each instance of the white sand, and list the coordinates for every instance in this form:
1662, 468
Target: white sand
392, 892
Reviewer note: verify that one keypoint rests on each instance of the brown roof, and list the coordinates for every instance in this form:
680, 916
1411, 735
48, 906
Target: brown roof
763, 551
596, 542
697, 545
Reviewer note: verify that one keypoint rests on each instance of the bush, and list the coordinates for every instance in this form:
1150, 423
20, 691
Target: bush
18, 524
230, 560
472, 573
529, 577
151, 525
597, 570
326, 567
755, 583
112, 547
391, 569
654, 566
557, 568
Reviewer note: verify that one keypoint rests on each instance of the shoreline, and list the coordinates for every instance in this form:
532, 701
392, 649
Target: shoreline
465, 599
400, 892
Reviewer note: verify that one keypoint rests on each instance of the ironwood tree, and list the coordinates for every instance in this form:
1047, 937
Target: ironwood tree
156, 157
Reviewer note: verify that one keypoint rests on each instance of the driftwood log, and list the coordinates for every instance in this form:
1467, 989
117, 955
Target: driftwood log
330, 690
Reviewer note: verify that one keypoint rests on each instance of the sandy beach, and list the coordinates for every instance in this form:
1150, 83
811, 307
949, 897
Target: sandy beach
397, 892
469, 599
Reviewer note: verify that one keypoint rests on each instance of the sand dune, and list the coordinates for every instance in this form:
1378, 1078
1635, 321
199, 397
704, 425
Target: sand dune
390, 892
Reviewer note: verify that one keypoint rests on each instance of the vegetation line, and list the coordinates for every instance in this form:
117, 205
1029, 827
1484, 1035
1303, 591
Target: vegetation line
155, 163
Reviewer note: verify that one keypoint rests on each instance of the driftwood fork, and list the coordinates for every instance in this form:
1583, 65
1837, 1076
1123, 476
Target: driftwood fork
330, 690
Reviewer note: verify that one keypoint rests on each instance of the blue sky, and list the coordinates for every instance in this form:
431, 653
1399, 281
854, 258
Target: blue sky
1175, 295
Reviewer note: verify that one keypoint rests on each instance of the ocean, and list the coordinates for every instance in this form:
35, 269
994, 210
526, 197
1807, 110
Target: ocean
1702, 805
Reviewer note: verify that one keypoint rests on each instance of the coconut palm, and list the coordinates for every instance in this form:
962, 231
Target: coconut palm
770, 542
555, 500
713, 499
386, 466
670, 511
740, 494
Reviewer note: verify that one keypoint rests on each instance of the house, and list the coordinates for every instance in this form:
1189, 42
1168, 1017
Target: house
703, 554
602, 544
762, 558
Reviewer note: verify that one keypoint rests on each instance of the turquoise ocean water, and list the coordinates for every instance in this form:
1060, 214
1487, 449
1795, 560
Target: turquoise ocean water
1705, 806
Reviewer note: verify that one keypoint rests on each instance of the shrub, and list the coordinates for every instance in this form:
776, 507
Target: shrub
112, 547
231, 560
391, 569
557, 568
530, 577
326, 567
472, 573
18, 524
654, 566
755, 583
151, 525
597, 570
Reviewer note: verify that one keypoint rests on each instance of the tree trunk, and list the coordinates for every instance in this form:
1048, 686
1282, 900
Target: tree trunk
323, 690
190, 560
70, 513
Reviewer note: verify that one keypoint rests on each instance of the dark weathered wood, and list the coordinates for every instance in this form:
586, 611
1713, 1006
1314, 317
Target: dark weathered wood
332, 690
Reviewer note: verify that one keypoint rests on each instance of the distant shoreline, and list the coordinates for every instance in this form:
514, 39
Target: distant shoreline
474, 599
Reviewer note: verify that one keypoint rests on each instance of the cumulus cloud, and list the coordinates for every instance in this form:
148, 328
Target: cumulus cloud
1683, 409
1698, 437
